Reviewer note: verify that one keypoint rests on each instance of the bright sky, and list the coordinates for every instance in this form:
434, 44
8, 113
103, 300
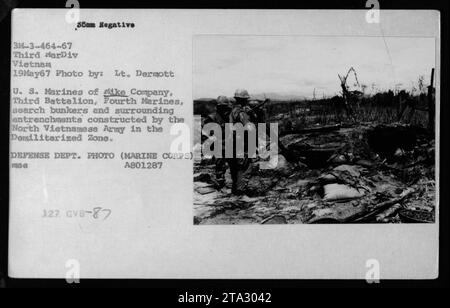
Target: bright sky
295, 65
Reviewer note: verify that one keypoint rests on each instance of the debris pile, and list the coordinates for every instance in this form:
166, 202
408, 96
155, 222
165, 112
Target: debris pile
364, 173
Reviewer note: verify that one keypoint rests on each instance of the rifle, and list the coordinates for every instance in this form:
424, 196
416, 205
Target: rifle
260, 105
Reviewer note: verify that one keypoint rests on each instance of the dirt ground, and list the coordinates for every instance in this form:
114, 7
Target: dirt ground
362, 173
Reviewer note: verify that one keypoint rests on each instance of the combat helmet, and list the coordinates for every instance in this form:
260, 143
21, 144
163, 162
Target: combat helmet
241, 93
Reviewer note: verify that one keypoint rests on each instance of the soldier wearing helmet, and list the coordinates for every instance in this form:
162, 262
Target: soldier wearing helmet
238, 166
220, 114
241, 93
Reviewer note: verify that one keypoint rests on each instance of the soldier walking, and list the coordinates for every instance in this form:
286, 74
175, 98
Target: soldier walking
220, 115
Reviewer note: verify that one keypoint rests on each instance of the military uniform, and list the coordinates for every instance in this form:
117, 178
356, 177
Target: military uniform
254, 114
220, 116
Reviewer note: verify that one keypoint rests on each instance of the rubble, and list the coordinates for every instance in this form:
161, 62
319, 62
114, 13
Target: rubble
274, 220
354, 174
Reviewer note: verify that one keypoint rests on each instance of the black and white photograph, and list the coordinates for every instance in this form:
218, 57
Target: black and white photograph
356, 129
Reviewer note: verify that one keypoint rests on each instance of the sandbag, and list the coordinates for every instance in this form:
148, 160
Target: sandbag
338, 192
277, 162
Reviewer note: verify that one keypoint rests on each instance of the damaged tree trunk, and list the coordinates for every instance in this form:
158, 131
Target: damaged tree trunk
322, 129
345, 96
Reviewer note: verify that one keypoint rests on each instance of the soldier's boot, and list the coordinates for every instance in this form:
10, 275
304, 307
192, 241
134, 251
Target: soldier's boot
239, 184
219, 182
233, 172
219, 176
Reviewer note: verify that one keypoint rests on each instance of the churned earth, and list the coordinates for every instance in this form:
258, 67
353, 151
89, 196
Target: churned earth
359, 174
